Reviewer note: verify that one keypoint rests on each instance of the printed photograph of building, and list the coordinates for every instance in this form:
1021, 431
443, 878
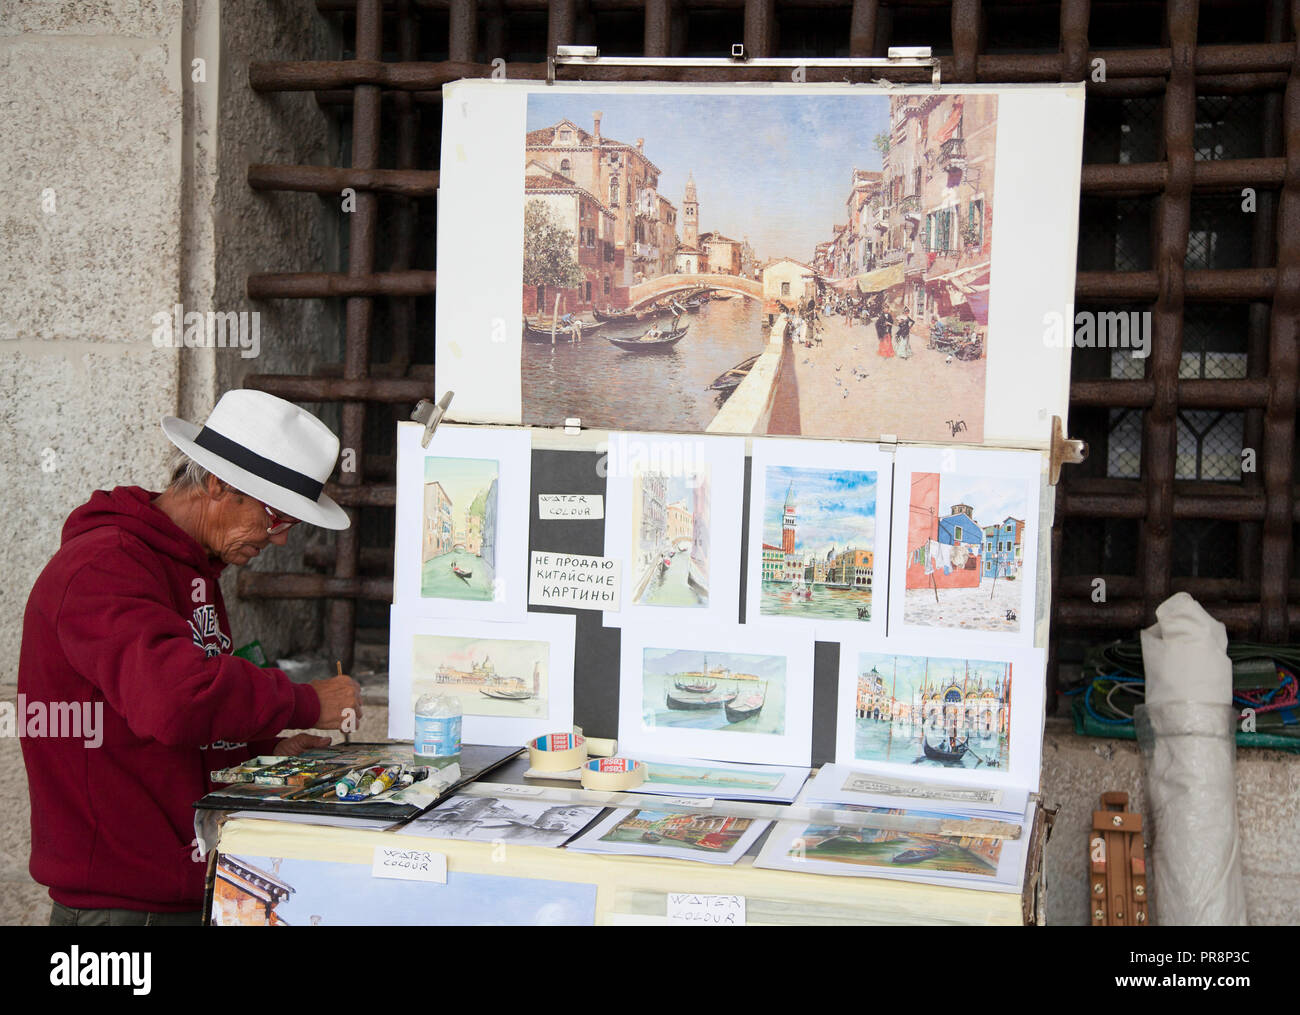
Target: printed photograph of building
488, 819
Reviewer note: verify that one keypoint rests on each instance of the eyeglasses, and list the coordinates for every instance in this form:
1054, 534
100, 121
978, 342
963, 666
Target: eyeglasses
278, 524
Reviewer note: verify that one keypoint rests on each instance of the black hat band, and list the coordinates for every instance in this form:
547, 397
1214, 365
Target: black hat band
263, 468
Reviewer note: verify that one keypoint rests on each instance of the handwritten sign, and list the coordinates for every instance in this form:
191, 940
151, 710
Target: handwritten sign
507, 789
707, 910
574, 579
570, 505
408, 864
688, 801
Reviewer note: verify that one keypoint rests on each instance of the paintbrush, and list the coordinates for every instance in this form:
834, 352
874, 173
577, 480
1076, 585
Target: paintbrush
347, 734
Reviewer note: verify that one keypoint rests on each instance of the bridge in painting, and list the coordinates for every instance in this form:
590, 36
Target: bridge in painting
654, 288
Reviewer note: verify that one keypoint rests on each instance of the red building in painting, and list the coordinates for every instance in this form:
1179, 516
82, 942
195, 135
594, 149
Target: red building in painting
924, 532
590, 228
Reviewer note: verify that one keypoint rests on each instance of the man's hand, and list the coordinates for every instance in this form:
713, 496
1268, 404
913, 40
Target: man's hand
299, 742
340, 699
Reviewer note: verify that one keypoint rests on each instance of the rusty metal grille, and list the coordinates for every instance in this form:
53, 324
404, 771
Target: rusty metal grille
1199, 102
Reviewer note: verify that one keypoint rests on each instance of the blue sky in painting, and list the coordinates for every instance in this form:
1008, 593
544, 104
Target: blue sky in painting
462, 479
908, 673
993, 498
777, 169
834, 508
347, 894
660, 661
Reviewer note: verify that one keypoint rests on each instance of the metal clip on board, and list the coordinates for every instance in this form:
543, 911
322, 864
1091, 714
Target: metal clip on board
430, 415
1064, 450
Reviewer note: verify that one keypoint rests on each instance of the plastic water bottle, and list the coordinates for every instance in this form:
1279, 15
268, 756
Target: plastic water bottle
437, 730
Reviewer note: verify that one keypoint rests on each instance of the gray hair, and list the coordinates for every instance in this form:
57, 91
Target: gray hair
186, 474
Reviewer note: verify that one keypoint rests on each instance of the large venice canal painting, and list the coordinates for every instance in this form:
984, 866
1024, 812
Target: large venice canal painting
824, 273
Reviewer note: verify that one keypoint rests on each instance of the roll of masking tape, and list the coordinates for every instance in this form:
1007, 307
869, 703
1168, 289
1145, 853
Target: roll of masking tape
613, 775
557, 752
598, 747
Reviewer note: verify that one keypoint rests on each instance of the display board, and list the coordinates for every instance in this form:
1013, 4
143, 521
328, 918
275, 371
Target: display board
883, 272
581, 475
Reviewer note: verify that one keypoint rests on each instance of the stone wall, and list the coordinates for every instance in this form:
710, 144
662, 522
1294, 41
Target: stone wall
1077, 770
91, 250
129, 195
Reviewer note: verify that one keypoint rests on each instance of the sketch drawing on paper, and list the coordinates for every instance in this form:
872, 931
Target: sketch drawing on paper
500, 677
664, 280
953, 713
819, 537
732, 691
892, 850
966, 538
670, 524
708, 833
486, 819
458, 543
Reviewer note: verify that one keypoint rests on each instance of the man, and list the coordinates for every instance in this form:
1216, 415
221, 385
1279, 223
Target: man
128, 617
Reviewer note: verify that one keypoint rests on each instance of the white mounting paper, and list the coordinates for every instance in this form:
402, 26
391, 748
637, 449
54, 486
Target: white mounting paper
833, 509
782, 662
708, 549
430, 587
417, 645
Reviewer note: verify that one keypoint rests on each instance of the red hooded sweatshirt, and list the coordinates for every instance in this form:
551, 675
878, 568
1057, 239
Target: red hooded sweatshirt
128, 618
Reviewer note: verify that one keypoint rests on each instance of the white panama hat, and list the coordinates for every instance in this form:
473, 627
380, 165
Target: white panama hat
269, 449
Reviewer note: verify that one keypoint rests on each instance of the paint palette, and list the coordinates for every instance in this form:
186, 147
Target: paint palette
305, 784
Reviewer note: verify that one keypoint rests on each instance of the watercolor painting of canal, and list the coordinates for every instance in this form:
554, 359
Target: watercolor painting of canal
908, 855
458, 554
670, 522
819, 535
735, 692
673, 507
853, 262
513, 681
461, 510
907, 710
488, 676
711, 838
968, 520
709, 779
932, 711
726, 695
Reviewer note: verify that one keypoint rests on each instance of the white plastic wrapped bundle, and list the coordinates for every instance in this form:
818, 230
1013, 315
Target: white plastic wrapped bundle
1187, 730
